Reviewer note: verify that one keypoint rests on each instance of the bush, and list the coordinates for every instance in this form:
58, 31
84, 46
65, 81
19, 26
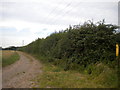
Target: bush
78, 45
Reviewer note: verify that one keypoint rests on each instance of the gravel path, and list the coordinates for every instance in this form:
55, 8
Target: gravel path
22, 73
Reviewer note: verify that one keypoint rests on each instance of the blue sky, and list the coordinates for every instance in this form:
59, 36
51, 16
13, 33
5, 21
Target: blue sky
29, 19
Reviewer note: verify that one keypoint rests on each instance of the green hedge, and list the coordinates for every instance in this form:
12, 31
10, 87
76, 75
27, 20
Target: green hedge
78, 45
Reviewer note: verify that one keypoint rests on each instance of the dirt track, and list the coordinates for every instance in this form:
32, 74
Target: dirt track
22, 73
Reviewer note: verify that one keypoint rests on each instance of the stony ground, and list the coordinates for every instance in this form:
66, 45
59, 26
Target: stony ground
21, 74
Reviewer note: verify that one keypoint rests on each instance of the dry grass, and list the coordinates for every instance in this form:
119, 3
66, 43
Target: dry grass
9, 57
7, 53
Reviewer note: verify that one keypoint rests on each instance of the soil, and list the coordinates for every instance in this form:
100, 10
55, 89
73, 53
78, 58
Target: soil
22, 73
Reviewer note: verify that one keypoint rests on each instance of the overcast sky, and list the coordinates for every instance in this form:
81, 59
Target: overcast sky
29, 19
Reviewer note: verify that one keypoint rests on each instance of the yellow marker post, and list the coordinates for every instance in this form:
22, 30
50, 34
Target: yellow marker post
117, 50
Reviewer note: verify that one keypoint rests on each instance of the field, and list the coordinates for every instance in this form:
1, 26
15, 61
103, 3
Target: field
9, 57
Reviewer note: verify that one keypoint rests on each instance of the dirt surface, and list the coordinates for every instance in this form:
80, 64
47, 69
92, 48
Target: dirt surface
22, 73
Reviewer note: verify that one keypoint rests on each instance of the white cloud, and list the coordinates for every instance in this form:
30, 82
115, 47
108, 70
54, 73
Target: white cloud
59, 0
26, 31
42, 17
33, 27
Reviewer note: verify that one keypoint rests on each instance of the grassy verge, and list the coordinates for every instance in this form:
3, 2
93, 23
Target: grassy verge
9, 57
93, 76
56, 77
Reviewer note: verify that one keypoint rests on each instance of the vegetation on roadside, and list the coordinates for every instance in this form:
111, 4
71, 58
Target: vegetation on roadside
55, 77
81, 48
79, 45
9, 57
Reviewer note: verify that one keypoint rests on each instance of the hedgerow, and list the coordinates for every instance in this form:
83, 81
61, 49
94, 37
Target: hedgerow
78, 45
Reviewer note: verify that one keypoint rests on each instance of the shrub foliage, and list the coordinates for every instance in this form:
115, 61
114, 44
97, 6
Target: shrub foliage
78, 45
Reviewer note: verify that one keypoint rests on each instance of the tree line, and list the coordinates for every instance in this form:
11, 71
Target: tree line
78, 46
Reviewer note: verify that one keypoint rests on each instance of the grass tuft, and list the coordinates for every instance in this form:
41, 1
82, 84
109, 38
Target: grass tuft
98, 75
55, 77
